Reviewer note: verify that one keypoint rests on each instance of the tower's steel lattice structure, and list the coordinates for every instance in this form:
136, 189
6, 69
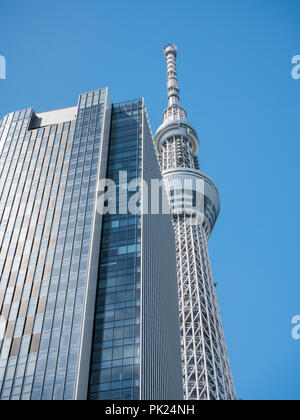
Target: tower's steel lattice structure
195, 207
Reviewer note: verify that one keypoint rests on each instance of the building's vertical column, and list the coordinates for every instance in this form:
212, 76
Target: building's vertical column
82, 381
161, 377
115, 359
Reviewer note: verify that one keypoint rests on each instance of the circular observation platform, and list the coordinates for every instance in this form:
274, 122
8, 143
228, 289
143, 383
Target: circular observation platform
176, 128
193, 195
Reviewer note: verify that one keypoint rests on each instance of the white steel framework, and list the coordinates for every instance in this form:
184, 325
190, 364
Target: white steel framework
206, 368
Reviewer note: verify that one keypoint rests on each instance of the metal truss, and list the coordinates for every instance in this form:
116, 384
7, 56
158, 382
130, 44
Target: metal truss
176, 153
206, 368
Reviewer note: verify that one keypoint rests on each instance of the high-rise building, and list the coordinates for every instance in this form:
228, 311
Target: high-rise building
88, 299
195, 207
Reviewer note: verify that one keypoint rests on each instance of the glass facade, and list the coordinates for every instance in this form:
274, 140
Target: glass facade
115, 363
88, 303
48, 189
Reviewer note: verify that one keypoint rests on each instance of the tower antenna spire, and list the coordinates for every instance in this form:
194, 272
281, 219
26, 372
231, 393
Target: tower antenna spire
173, 111
170, 52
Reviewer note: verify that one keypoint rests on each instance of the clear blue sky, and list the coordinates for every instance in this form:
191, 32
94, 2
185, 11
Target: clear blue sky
234, 68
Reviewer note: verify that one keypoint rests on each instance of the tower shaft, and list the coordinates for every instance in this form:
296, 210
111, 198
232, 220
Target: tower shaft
205, 362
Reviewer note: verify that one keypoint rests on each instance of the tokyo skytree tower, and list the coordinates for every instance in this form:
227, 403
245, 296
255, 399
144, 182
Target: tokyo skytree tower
195, 206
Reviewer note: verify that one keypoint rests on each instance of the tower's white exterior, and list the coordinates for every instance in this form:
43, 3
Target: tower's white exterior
195, 207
